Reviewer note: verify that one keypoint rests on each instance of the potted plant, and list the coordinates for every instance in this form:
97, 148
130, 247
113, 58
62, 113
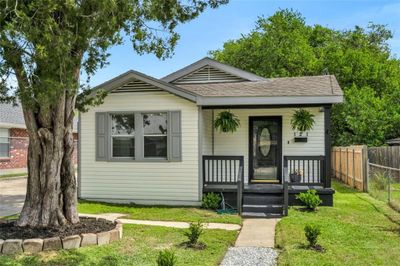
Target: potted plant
226, 121
295, 177
302, 121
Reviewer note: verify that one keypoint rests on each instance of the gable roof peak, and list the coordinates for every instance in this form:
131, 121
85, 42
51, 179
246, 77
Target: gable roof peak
132, 75
222, 70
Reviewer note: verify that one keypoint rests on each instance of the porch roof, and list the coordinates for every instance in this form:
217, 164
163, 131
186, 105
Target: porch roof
326, 85
306, 90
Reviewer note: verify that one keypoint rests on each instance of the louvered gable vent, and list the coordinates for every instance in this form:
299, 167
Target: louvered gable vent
136, 86
208, 74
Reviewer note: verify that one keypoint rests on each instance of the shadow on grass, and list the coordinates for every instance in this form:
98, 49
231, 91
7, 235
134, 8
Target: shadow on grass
304, 209
381, 211
110, 204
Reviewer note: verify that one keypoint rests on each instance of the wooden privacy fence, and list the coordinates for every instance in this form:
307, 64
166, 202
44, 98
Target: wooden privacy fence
349, 164
386, 156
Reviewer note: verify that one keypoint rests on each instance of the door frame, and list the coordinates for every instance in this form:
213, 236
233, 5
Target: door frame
250, 159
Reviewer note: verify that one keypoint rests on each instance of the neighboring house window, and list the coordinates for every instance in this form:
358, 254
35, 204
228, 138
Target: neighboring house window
123, 135
155, 135
4, 143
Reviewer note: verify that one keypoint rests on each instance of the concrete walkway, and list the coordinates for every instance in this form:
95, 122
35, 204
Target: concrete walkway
254, 245
12, 195
113, 216
257, 233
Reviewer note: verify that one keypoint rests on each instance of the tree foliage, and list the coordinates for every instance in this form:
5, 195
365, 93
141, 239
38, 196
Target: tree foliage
360, 58
45, 45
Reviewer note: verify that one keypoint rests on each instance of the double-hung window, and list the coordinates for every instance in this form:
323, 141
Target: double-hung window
139, 136
123, 135
155, 134
4, 143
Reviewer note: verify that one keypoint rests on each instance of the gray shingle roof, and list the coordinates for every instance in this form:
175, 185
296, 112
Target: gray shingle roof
326, 85
393, 141
12, 116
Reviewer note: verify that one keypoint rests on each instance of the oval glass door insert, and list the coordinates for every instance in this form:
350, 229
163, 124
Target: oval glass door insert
265, 141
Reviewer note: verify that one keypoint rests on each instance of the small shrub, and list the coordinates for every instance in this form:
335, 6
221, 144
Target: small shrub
211, 201
166, 258
312, 232
194, 233
310, 199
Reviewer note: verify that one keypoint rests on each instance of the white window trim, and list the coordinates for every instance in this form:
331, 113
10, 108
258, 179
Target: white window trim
8, 142
139, 138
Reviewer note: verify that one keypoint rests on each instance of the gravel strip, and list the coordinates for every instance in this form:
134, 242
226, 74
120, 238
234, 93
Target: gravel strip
250, 256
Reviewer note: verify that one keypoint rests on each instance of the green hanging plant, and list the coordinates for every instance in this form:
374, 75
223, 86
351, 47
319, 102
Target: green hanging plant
226, 121
302, 120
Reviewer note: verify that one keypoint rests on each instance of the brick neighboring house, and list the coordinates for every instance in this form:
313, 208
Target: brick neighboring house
14, 140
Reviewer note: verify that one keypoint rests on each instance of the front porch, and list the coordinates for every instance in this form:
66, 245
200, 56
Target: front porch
266, 175
224, 174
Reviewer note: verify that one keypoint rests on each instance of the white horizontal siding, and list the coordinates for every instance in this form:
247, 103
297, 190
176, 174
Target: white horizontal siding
207, 132
145, 182
238, 143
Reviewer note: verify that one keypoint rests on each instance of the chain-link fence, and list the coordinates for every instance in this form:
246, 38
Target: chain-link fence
384, 184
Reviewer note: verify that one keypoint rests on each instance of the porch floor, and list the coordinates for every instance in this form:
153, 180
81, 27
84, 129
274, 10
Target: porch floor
264, 188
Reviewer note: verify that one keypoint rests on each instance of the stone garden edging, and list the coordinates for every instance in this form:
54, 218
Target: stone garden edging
35, 245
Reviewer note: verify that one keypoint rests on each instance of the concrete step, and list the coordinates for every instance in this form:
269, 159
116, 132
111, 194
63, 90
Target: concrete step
260, 215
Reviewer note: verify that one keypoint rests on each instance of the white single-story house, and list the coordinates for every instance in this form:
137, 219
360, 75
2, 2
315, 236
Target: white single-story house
153, 141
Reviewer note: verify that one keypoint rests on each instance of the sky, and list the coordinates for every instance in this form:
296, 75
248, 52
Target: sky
215, 26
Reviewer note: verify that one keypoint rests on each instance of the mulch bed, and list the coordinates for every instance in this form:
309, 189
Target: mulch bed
9, 230
198, 246
317, 248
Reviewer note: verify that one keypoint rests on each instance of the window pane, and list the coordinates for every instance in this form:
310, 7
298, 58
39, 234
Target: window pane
123, 124
4, 149
123, 147
155, 124
155, 146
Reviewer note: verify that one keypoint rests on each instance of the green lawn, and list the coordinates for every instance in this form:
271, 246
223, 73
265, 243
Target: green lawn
139, 246
380, 191
161, 213
358, 230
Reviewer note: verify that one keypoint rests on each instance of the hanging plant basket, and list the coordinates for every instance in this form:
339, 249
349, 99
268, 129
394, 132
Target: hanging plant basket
302, 121
226, 121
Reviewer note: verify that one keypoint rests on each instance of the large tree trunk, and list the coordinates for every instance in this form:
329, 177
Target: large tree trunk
51, 198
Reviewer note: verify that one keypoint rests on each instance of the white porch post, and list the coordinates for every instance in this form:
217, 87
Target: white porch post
212, 131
